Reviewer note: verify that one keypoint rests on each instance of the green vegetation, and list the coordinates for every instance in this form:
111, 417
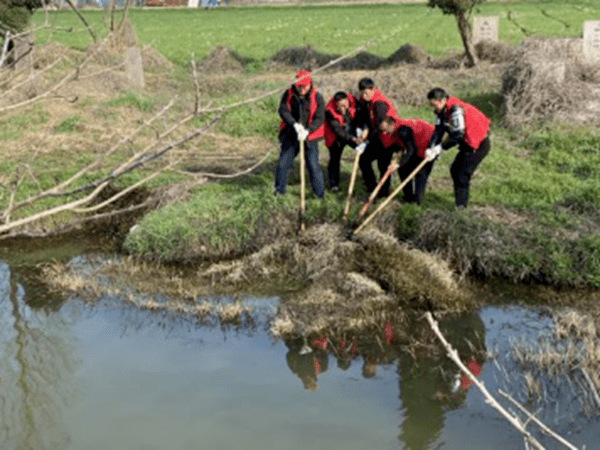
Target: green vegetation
260, 32
134, 100
537, 193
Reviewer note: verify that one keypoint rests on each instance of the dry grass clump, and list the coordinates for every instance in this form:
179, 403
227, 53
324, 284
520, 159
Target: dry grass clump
493, 51
231, 313
361, 61
404, 85
452, 61
572, 351
408, 54
222, 59
351, 286
546, 78
416, 278
61, 279
302, 57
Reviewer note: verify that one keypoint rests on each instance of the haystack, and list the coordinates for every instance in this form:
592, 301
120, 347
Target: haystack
493, 51
220, 60
302, 57
361, 61
546, 79
408, 54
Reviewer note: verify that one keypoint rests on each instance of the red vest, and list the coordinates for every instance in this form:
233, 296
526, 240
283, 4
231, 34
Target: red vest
384, 137
330, 135
477, 125
422, 132
318, 133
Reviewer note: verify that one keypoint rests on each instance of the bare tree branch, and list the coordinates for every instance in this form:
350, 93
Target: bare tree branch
453, 355
85, 22
233, 175
534, 419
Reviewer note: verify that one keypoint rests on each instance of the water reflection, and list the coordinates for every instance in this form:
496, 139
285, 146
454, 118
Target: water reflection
305, 363
36, 365
109, 375
428, 379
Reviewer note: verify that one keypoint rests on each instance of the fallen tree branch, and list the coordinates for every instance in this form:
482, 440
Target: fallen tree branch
85, 22
231, 175
57, 191
53, 211
531, 417
453, 355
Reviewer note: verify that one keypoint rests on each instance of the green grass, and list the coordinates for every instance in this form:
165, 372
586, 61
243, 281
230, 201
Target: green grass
134, 100
69, 124
12, 127
548, 171
259, 32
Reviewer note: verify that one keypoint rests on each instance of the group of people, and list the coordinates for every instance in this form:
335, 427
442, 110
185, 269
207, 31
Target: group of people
371, 126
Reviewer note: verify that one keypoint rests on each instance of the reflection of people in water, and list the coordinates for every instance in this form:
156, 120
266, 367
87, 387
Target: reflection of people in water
306, 363
427, 383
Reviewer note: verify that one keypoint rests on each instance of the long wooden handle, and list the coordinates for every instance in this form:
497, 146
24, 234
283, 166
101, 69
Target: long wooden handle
351, 186
302, 187
393, 166
392, 195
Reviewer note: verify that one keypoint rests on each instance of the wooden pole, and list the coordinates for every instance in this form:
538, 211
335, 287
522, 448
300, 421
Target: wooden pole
302, 187
393, 166
391, 196
351, 186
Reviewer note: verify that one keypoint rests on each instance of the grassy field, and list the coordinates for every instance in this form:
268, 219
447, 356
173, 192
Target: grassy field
537, 193
260, 32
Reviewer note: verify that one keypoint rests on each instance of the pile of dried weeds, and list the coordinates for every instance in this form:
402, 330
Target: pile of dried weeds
408, 54
493, 51
546, 78
302, 57
222, 59
354, 286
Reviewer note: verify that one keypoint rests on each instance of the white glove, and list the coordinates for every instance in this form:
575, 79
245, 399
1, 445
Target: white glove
433, 152
359, 132
301, 131
360, 148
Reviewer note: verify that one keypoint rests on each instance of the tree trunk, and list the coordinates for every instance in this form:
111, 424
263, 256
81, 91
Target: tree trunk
21, 51
464, 28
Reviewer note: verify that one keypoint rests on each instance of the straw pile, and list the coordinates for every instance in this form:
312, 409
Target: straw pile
547, 79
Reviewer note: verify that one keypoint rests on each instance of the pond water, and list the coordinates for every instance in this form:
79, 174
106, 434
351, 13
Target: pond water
108, 375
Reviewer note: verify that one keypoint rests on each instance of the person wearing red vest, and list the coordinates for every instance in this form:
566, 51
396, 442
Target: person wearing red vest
468, 128
412, 136
374, 108
339, 131
302, 112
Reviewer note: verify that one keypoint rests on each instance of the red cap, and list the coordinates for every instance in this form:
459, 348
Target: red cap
304, 78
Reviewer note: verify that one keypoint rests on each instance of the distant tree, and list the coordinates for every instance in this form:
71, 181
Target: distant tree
15, 14
461, 10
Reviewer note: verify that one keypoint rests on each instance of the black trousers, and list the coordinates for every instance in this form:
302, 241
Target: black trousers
335, 156
375, 151
414, 190
464, 166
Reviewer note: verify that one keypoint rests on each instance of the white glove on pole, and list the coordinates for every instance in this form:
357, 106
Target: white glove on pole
433, 152
301, 131
360, 148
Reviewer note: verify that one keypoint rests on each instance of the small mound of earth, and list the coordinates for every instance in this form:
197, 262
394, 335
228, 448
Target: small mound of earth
221, 60
493, 51
361, 61
408, 54
302, 57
